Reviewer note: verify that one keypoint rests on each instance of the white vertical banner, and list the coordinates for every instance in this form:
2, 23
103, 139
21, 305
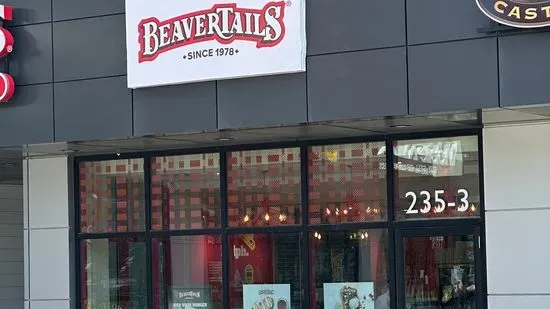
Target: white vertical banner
173, 41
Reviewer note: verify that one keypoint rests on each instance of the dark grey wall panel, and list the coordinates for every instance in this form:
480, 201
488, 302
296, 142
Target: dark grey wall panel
11, 236
70, 9
262, 101
30, 11
453, 76
524, 69
31, 60
345, 25
357, 85
28, 118
436, 20
89, 48
93, 109
173, 109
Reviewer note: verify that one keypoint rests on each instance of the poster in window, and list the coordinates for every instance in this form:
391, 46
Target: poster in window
266, 296
349, 295
191, 298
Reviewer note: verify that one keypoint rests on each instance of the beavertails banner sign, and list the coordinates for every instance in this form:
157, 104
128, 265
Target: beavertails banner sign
183, 41
517, 13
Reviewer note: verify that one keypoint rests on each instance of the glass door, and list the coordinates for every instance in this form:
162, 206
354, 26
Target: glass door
439, 269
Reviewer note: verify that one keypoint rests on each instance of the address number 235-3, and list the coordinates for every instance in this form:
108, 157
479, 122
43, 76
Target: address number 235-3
439, 203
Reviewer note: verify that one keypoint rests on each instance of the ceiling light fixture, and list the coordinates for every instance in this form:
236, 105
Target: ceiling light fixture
224, 139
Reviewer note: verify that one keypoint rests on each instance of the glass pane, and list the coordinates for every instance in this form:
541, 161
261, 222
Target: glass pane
112, 196
346, 183
437, 178
113, 274
185, 192
349, 269
264, 269
440, 272
264, 187
187, 272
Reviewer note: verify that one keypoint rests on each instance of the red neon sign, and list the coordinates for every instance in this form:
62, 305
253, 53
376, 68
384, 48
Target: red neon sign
7, 85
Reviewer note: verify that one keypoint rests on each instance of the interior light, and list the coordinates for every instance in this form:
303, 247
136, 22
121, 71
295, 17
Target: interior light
345, 211
369, 210
246, 218
266, 217
328, 211
473, 207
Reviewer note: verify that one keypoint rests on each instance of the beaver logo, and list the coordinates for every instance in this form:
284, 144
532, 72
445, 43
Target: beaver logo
517, 13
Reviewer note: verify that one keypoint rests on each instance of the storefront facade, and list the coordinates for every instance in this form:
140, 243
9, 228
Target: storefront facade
384, 164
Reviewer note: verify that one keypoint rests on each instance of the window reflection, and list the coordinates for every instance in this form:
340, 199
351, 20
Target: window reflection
113, 274
346, 183
112, 196
440, 272
187, 272
185, 192
270, 261
437, 178
349, 269
264, 187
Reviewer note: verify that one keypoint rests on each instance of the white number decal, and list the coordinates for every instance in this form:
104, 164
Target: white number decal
439, 203
427, 206
411, 209
465, 204
441, 207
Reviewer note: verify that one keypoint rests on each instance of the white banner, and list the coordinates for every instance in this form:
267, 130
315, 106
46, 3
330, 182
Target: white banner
265, 296
173, 41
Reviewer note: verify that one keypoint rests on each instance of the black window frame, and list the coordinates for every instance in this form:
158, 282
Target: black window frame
303, 229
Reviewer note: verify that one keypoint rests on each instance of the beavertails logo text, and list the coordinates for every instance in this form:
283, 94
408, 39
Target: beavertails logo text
517, 13
224, 23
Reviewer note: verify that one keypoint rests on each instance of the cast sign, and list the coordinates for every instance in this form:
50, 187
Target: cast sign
174, 42
7, 85
517, 13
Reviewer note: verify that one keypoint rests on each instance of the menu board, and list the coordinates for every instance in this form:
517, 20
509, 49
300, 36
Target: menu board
266, 296
191, 298
349, 295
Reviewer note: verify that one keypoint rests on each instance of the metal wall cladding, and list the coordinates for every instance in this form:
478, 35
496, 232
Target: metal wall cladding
365, 59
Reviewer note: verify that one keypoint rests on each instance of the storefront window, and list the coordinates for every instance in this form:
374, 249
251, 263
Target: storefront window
437, 178
112, 196
112, 274
440, 272
349, 269
185, 192
346, 183
263, 187
187, 272
264, 255
264, 271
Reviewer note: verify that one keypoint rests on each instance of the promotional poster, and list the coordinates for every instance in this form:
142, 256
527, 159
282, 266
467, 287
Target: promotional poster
349, 295
173, 42
266, 296
191, 298
252, 262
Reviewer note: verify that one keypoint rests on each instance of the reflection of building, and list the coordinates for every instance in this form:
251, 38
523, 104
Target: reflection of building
411, 156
